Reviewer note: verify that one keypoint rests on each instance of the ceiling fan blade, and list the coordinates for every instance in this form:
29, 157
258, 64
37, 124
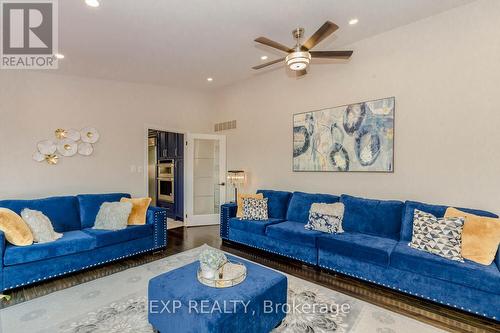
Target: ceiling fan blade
331, 54
268, 63
324, 31
271, 43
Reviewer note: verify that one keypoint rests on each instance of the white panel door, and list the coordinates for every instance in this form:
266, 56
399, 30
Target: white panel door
205, 178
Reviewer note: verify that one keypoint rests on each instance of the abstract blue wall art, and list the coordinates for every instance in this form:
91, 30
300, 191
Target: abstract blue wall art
356, 137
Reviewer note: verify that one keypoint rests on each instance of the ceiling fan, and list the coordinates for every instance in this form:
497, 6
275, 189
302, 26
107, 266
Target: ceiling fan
299, 56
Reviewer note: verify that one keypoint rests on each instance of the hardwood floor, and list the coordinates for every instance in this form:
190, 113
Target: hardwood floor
182, 239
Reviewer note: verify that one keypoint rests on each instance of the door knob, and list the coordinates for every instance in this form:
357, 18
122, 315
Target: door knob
222, 184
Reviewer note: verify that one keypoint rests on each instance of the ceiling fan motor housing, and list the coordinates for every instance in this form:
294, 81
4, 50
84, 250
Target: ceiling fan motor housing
298, 61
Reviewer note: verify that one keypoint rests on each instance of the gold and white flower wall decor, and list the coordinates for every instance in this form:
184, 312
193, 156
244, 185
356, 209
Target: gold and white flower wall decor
67, 143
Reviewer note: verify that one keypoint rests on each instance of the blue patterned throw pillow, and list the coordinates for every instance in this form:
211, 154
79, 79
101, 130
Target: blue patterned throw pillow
326, 217
255, 209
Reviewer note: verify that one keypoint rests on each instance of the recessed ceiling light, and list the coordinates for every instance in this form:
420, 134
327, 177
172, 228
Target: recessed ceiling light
92, 3
59, 56
263, 58
353, 21
209, 79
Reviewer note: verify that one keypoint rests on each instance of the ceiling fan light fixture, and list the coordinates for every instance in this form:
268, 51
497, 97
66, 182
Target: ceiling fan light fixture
298, 61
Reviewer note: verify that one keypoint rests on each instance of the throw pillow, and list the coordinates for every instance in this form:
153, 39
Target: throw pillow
239, 212
113, 216
15, 229
480, 238
326, 217
139, 210
40, 226
255, 209
442, 236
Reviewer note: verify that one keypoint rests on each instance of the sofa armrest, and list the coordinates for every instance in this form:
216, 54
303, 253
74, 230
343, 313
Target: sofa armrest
227, 211
158, 218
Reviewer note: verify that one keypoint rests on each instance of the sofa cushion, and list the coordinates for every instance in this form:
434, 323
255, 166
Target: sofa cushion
109, 237
294, 232
90, 204
373, 249
277, 203
466, 273
436, 210
300, 203
71, 242
373, 217
62, 211
253, 226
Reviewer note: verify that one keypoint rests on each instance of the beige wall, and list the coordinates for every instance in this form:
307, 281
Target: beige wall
445, 74
32, 105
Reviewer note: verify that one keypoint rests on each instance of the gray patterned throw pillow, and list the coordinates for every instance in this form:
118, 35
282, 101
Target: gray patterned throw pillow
440, 236
255, 209
40, 226
326, 217
113, 216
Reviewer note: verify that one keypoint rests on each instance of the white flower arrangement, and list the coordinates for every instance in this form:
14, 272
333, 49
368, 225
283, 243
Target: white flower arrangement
212, 258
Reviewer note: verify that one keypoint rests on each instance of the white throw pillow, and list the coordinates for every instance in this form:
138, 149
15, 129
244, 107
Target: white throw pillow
113, 216
326, 217
40, 226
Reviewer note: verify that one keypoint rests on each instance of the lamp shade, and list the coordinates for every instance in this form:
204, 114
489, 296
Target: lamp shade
236, 177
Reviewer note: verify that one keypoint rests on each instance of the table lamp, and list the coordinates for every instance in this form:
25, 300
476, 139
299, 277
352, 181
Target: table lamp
236, 178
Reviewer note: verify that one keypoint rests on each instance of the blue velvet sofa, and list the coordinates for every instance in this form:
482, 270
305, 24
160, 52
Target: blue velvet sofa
81, 246
374, 247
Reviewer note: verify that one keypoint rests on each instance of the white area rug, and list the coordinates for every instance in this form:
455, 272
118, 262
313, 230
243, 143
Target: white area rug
118, 304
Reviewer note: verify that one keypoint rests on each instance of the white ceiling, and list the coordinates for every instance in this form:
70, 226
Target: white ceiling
182, 42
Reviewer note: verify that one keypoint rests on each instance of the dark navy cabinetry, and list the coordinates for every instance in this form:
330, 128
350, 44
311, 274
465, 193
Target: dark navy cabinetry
170, 145
170, 148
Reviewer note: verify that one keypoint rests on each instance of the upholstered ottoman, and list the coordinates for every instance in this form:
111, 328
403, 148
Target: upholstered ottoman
178, 302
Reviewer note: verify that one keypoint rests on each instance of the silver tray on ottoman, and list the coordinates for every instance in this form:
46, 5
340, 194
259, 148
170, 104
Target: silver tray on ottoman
230, 274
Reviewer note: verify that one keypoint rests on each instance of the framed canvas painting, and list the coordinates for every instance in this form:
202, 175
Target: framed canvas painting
351, 138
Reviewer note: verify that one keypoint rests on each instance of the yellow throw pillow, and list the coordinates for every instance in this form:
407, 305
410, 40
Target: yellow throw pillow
239, 213
139, 209
480, 237
15, 229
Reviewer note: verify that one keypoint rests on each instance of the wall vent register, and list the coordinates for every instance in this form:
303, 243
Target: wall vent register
225, 126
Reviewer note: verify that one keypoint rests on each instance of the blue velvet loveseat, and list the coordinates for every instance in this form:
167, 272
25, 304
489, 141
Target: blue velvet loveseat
374, 247
81, 246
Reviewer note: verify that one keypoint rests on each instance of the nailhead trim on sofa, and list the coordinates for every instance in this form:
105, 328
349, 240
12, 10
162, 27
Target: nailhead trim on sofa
81, 268
155, 227
224, 219
281, 254
403, 290
109, 260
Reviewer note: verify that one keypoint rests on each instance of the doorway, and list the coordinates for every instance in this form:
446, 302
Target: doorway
166, 174
205, 178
